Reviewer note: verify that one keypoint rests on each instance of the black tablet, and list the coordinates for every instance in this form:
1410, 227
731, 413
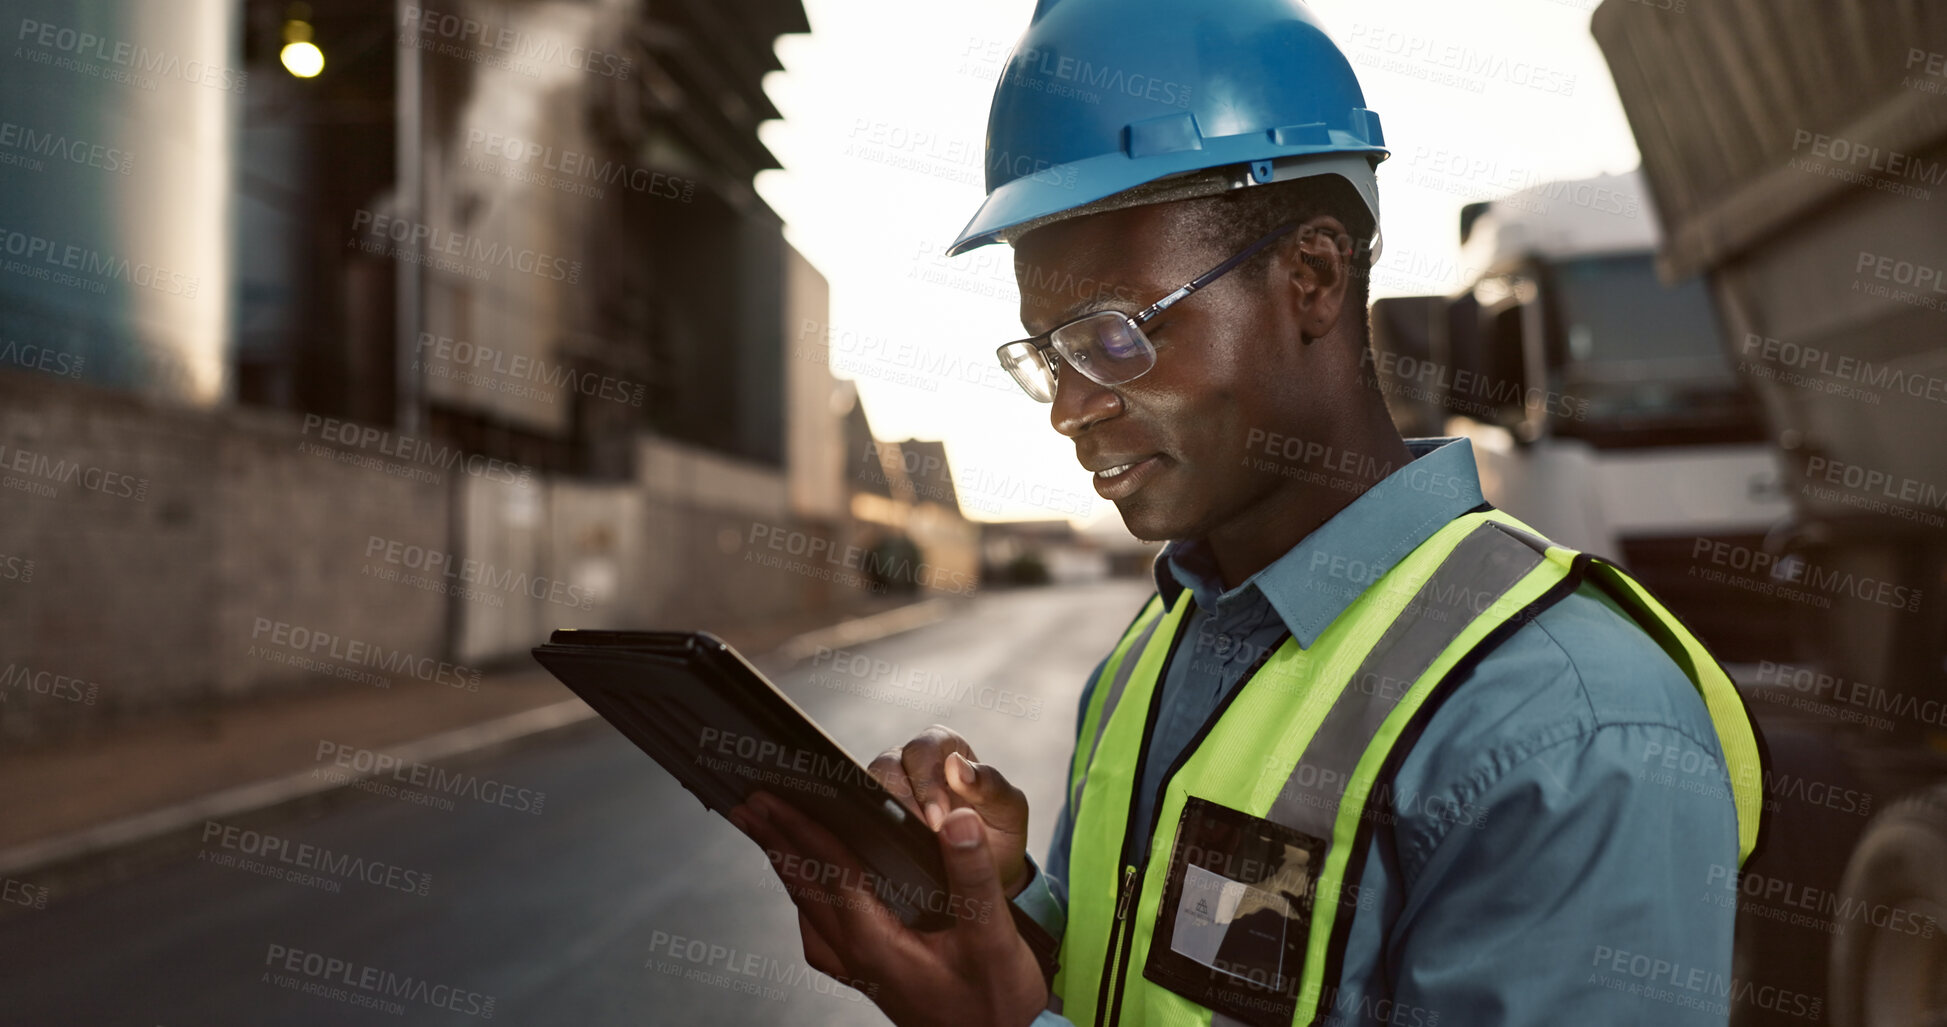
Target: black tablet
712, 720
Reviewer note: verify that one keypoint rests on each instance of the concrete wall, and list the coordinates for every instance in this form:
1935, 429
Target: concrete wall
148, 553
154, 558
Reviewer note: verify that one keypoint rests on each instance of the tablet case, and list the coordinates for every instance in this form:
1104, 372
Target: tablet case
713, 721
723, 731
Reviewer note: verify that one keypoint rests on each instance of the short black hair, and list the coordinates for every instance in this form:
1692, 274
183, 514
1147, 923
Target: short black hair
1230, 221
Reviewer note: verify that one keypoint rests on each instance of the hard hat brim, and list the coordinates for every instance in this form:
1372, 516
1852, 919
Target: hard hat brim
1091, 185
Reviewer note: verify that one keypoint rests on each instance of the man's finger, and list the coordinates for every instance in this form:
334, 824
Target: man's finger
924, 760
795, 869
818, 953
976, 885
852, 905
886, 769
1003, 806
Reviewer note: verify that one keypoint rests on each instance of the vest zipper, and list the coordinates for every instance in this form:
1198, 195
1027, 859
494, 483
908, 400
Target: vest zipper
1132, 882
1136, 863
1134, 855
1118, 945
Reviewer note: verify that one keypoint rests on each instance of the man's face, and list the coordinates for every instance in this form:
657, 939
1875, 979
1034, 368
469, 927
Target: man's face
1228, 360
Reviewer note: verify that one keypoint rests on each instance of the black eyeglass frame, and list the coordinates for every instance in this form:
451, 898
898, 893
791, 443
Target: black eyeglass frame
1045, 341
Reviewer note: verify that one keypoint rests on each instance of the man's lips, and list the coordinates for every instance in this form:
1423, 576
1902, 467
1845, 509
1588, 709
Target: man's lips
1117, 477
1111, 470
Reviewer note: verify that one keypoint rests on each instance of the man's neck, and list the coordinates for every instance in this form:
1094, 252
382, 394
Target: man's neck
1261, 533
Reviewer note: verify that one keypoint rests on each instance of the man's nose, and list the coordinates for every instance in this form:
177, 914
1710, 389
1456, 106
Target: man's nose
1080, 401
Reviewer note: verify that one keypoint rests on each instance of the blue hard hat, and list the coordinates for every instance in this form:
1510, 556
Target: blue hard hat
1151, 100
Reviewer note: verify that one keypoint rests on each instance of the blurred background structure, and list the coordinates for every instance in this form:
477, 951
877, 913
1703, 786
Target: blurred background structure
347, 347
486, 311
1726, 370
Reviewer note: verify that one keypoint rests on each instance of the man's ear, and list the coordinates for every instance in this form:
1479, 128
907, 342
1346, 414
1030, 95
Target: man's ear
1319, 258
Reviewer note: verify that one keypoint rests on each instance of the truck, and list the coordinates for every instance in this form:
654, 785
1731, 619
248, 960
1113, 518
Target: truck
1797, 156
1599, 406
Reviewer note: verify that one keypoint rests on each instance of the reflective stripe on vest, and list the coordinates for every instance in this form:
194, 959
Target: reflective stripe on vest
1109, 692
1310, 729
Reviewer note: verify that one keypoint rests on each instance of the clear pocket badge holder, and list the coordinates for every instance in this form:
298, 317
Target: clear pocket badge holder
1236, 913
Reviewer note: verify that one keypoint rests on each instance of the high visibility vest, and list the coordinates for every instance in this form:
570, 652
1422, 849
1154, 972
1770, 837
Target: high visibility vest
1259, 839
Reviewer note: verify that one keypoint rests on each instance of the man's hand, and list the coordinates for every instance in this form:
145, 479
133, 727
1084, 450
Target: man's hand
977, 972
936, 773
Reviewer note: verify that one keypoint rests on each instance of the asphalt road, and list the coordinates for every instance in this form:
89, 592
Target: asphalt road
621, 901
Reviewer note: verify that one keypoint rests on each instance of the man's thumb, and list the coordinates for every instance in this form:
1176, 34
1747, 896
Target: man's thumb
970, 869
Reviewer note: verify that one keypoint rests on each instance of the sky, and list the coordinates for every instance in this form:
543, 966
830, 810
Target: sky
884, 110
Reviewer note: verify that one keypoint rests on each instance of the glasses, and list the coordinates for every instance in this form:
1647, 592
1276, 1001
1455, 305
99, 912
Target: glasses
1107, 346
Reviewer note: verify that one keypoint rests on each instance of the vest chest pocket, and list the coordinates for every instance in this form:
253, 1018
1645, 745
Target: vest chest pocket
1236, 913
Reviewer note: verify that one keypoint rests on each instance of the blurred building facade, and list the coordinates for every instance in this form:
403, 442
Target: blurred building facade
477, 333
911, 533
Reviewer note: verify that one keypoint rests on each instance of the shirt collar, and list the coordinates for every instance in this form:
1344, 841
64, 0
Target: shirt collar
1315, 580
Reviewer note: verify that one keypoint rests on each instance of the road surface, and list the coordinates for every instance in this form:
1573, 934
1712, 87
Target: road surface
620, 901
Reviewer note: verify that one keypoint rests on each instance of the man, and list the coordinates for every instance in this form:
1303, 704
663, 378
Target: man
1375, 752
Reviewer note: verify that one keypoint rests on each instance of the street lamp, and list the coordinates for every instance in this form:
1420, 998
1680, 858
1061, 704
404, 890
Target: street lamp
301, 57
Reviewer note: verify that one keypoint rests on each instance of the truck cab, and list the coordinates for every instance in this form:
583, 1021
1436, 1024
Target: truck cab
1600, 405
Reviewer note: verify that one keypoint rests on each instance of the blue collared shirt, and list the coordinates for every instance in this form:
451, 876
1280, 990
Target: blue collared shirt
1565, 846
